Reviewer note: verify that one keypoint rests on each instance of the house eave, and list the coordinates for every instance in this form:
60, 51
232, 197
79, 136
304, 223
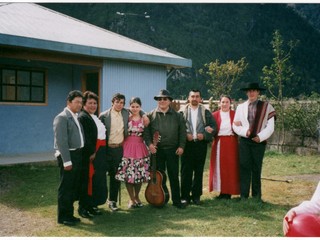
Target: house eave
19, 41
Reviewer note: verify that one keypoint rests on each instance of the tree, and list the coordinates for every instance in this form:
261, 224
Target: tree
221, 77
277, 76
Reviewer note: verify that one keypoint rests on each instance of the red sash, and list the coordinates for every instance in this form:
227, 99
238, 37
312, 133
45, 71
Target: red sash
99, 144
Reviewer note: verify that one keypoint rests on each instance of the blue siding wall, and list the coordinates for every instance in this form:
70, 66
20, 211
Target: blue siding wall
132, 79
28, 129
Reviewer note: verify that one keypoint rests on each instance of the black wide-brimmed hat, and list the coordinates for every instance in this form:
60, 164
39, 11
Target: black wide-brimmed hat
163, 93
253, 86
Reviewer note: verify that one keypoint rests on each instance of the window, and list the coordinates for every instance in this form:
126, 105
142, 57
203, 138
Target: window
22, 85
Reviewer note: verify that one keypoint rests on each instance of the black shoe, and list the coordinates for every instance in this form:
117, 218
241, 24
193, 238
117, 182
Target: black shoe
75, 219
196, 201
186, 202
68, 222
244, 198
94, 211
224, 196
84, 213
113, 206
179, 205
139, 204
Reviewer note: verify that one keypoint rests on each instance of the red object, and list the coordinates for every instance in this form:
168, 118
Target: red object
304, 225
229, 161
91, 167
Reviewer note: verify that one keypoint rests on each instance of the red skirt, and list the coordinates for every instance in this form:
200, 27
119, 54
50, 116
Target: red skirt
224, 154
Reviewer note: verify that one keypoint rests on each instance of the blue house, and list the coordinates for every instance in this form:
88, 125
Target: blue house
44, 54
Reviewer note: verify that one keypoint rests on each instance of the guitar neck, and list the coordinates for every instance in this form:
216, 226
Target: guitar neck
154, 167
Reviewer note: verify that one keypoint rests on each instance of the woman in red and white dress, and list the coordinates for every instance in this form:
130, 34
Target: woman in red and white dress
224, 161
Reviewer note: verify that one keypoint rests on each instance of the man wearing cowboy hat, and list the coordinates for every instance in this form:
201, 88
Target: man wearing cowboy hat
172, 129
254, 123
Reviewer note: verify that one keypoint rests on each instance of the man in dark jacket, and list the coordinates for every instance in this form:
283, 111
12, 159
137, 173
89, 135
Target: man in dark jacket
172, 129
201, 128
68, 143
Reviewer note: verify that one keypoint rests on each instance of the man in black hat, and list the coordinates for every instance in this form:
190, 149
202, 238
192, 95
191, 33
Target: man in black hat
172, 129
254, 123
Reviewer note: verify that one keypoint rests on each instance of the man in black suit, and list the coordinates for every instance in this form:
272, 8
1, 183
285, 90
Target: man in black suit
68, 142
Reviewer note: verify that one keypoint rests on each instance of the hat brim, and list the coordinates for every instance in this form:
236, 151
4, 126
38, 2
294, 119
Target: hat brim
247, 89
159, 96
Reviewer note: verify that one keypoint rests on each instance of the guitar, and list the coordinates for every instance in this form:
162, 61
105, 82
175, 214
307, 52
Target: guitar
156, 193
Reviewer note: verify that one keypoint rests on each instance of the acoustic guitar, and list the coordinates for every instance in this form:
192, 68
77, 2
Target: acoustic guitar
156, 193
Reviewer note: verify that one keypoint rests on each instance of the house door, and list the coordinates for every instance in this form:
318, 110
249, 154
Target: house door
91, 83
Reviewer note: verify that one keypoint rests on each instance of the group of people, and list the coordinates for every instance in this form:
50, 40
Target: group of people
119, 142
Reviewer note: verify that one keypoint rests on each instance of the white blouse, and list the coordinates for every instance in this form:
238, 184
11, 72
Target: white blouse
225, 126
100, 126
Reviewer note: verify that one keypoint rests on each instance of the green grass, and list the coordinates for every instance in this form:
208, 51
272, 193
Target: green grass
32, 188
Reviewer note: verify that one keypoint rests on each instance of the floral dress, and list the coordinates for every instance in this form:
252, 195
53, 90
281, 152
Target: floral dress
134, 167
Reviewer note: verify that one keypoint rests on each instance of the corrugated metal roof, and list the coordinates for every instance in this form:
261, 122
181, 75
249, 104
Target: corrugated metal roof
29, 20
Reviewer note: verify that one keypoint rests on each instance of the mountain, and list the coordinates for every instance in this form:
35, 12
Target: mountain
311, 12
205, 32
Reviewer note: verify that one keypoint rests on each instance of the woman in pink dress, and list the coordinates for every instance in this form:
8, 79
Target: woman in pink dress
224, 161
134, 167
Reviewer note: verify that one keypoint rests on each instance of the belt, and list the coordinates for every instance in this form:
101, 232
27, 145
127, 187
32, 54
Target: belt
115, 145
75, 149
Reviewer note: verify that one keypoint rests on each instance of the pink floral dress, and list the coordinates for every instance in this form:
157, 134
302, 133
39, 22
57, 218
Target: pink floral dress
134, 167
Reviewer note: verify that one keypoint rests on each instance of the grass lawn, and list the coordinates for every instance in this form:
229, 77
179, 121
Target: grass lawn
28, 197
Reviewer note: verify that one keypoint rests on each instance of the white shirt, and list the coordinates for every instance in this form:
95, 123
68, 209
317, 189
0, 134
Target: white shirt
194, 116
242, 116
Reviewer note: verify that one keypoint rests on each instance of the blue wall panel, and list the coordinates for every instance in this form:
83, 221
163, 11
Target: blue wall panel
132, 79
27, 128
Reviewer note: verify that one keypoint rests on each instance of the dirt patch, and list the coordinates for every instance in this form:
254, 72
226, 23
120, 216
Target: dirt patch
15, 222
306, 177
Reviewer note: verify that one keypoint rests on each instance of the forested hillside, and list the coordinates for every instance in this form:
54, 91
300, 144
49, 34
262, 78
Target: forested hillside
210, 31
311, 12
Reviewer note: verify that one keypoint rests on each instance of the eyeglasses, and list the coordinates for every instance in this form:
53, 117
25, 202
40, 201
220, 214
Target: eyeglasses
162, 99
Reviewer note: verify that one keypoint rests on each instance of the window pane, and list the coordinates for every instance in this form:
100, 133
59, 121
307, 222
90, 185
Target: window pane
23, 94
8, 76
37, 79
23, 78
8, 93
37, 94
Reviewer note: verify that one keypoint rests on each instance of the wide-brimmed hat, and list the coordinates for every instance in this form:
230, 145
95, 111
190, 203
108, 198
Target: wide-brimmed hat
253, 86
163, 93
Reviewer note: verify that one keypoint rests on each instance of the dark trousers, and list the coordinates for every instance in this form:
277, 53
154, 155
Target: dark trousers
114, 156
168, 160
84, 199
68, 191
99, 180
192, 166
251, 158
